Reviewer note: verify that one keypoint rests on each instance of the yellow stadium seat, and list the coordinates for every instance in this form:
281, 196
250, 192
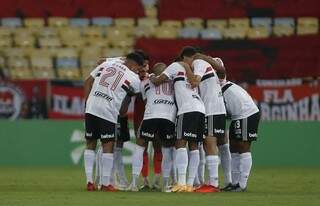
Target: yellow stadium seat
123, 43
239, 22
20, 73
93, 32
49, 42
5, 42
97, 42
124, 22
283, 30
58, 21
15, 52
151, 11
47, 32
144, 31
220, 24
34, 22
193, 23
164, 32
69, 32
74, 42
67, 53
5, 32
113, 52
172, 23
24, 32
69, 74
42, 65
235, 33
259, 32
24, 41
18, 62
308, 25
149, 22
114, 33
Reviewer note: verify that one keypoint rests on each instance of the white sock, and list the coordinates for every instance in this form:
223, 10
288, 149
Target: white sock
89, 156
235, 168
166, 164
194, 160
213, 166
107, 163
245, 168
202, 164
137, 163
174, 166
225, 156
119, 165
182, 164
99, 166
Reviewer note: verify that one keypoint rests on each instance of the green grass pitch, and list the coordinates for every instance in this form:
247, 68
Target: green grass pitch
66, 186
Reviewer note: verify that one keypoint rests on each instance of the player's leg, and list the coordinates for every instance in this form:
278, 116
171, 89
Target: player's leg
145, 169
181, 159
249, 131
166, 134
157, 160
212, 158
202, 164
89, 153
123, 136
107, 131
146, 132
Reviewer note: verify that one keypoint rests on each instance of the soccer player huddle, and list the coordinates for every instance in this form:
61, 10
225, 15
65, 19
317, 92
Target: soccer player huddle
186, 105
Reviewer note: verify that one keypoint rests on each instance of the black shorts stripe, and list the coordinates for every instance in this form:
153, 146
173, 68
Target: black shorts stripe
207, 76
178, 79
225, 87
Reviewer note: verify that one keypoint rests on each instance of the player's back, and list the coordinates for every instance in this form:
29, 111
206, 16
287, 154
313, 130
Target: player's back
112, 81
159, 100
209, 87
187, 98
238, 102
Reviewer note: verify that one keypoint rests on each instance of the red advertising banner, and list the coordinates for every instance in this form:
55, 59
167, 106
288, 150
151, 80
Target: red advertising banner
287, 102
67, 101
23, 99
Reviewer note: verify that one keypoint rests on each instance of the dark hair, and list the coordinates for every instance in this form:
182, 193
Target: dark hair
144, 55
135, 57
188, 51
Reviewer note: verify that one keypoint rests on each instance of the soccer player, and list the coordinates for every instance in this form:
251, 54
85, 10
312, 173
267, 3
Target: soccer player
243, 130
158, 122
190, 123
105, 90
205, 78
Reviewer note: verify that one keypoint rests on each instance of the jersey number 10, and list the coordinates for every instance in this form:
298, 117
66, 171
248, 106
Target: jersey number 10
166, 89
107, 79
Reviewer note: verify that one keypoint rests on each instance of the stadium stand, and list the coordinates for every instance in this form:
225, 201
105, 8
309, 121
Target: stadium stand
266, 39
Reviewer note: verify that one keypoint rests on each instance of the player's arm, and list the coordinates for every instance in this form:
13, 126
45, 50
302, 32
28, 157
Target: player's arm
193, 79
220, 69
125, 105
157, 80
87, 87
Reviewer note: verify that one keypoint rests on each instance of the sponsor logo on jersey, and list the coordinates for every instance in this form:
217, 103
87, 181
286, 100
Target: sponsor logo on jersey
107, 136
163, 101
146, 134
253, 135
219, 131
103, 95
189, 134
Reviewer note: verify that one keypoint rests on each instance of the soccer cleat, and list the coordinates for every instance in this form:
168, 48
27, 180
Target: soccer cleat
237, 188
145, 188
167, 189
91, 187
155, 187
207, 189
132, 188
178, 188
108, 188
189, 188
228, 188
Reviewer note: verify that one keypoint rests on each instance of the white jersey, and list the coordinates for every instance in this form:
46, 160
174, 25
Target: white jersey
238, 102
115, 59
112, 81
160, 100
209, 88
187, 99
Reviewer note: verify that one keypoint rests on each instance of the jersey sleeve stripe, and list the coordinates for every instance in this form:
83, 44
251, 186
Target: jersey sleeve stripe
207, 76
178, 79
225, 87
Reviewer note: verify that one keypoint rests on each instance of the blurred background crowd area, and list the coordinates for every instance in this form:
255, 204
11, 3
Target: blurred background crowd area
63, 39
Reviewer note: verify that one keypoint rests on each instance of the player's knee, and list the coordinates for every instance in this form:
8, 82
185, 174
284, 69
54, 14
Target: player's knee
193, 145
244, 147
181, 143
91, 144
107, 146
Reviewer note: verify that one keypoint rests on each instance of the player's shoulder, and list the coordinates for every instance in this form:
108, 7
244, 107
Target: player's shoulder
200, 62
